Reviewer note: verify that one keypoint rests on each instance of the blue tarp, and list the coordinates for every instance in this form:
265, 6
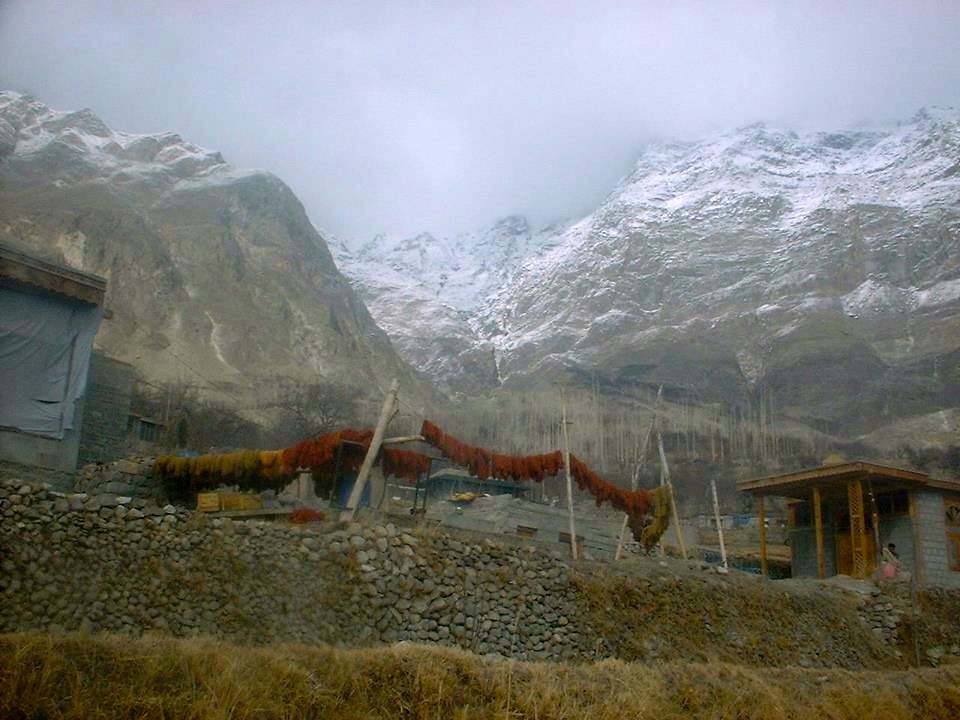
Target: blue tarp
45, 345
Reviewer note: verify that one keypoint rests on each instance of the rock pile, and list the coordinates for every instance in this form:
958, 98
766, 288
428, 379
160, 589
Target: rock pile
131, 477
883, 614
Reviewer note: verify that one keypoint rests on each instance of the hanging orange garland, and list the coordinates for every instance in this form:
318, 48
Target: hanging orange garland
483, 464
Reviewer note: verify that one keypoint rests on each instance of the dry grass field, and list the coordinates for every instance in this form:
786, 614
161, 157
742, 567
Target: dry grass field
91, 677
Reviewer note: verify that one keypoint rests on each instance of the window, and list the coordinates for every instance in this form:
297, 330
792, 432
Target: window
953, 550
147, 431
800, 514
896, 502
951, 507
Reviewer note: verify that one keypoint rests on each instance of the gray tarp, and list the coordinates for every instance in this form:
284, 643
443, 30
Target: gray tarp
45, 345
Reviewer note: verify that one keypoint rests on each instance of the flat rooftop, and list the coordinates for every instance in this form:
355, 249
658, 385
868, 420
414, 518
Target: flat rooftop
827, 477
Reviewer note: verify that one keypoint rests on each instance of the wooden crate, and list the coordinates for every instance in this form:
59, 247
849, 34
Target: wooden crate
249, 501
240, 501
208, 502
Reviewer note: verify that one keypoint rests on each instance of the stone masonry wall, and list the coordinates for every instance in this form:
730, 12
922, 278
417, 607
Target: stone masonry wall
130, 477
129, 565
106, 405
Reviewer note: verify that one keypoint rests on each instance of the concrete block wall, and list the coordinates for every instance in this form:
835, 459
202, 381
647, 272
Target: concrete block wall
106, 405
898, 529
803, 546
931, 523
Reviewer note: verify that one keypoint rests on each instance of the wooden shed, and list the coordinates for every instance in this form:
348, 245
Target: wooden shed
842, 515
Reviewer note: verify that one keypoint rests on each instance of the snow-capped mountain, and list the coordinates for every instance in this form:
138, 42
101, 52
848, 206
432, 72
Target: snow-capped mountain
216, 276
822, 269
426, 289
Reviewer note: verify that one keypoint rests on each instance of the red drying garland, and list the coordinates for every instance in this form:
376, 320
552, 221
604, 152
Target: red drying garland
320, 452
405, 464
484, 464
302, 516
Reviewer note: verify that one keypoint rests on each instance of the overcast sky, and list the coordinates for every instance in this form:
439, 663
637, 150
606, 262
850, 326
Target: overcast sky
400, 116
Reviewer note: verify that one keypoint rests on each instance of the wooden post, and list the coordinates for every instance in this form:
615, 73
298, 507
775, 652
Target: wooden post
917, 541
858, 530
665, 480
389, 402
818, 527
716, 515
637, 469
875, 518
762, 520
566, 467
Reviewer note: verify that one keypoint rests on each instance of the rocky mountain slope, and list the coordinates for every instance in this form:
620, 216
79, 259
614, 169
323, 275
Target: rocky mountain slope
216, 276
427, 289
819, 271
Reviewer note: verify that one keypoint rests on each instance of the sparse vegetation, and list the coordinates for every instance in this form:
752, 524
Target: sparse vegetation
91, 677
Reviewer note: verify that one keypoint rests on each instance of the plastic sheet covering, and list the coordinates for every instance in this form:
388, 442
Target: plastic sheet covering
45, 345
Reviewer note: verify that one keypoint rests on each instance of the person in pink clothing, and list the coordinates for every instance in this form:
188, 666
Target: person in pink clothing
891, 562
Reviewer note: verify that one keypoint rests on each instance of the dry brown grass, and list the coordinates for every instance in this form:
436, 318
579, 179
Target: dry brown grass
75, 676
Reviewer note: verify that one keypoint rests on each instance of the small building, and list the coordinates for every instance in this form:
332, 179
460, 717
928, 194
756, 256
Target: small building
49, 315
840, 516
445, 482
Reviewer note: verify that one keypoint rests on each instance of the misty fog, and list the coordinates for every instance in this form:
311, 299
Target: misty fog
399, 117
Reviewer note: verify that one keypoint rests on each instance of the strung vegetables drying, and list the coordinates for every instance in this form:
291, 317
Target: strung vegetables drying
405, 464
273, 469
319, 452
484, 464
648, 534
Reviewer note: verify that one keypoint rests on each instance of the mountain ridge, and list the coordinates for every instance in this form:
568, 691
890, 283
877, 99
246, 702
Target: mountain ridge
757, 260
215, 273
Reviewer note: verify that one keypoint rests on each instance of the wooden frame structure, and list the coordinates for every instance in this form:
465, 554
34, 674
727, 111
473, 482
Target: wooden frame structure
842, 483
21, 271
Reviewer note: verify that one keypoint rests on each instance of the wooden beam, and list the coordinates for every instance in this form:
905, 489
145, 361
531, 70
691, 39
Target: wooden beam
566, 467
762, 520
48, 276
641, 462
389, 403
858, 530
835, 473
818, 526
402, 439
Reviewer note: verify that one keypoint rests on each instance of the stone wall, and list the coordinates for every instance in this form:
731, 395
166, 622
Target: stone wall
106, 405
130, 477
129, 565
19, 474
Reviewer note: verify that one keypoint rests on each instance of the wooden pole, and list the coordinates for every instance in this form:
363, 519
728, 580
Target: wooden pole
402, 439
818, 527
716, 515
389, 403
762, 520
566, 467
665, 480
637, 469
